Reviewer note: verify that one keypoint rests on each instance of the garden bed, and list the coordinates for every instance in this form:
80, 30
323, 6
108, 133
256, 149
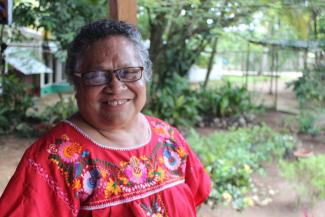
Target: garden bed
274, 195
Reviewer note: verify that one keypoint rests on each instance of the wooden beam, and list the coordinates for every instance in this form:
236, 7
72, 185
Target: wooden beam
124, 10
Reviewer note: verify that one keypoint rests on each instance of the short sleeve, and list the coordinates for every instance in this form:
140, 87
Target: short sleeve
35, 190
196, 177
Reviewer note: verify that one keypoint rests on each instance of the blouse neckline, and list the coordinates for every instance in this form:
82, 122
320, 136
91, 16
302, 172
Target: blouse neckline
115, 148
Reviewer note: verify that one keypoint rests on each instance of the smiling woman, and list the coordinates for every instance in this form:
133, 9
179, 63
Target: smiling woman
108, 159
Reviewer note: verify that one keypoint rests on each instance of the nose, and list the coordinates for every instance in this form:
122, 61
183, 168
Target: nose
115, 86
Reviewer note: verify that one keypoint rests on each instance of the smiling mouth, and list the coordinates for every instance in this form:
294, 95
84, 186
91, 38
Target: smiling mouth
116, 102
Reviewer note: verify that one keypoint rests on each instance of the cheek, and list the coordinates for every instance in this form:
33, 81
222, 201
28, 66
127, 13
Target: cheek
83, 96
142, 92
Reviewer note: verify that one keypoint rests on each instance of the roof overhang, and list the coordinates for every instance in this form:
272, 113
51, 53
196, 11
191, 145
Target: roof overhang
24, 60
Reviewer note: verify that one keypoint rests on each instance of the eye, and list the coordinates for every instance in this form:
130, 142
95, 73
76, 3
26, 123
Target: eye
129, 73
95, 78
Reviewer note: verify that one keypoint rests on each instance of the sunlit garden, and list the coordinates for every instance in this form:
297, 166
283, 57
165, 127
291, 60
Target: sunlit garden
243, 80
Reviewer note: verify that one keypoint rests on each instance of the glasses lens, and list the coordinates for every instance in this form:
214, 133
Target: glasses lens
129, 74
96, 78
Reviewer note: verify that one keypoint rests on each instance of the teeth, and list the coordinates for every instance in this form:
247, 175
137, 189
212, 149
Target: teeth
116, 102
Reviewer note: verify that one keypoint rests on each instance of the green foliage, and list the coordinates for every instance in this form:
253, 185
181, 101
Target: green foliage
14, 102
175, 103
306, 122
63, 109
310, 88
181, 105
308, 175
231, 157
224, 101
60, 18
180, 31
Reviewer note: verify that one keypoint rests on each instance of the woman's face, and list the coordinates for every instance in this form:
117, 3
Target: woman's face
117, 104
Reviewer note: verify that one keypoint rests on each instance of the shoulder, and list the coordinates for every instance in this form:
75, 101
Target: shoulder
59, 132
165, 130
155, 120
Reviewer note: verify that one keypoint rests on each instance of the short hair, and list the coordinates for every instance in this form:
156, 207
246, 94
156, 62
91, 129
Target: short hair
93, 32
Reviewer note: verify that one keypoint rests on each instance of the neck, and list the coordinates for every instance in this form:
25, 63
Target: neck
138, 133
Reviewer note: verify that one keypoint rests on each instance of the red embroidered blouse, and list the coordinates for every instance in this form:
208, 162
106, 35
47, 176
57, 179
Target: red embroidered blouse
66, 173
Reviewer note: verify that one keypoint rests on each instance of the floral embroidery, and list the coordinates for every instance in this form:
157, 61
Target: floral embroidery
171, 159
118, 181
69, 152
136, 171
112, 188
156, 208
91, 180
163, 130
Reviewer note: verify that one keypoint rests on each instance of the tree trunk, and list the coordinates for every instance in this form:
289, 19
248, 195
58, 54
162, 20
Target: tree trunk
211, 61
247, 65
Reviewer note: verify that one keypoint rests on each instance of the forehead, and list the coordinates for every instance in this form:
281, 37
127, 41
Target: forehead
110, 52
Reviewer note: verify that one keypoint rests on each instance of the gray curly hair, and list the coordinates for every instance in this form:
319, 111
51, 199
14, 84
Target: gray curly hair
100, 29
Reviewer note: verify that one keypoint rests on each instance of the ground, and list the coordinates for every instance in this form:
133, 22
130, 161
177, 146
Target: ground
281, 199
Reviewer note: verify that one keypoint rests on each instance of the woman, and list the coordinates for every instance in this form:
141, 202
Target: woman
108, 159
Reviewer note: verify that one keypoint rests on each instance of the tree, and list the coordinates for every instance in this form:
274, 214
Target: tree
179, 31
58, 18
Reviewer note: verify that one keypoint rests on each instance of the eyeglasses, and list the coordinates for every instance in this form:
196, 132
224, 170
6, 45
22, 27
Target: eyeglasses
101, 77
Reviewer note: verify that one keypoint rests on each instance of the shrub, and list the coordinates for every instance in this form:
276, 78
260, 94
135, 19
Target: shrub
59, 111
231, 157
310, 87
175, 103
307, 122
181, 105
14, 102
224, 101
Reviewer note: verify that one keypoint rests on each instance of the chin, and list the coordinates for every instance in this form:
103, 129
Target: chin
116, 121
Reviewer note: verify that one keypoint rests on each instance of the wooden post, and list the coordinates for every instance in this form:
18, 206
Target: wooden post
124, 10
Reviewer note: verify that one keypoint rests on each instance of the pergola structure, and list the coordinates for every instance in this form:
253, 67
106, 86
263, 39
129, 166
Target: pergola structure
124, 10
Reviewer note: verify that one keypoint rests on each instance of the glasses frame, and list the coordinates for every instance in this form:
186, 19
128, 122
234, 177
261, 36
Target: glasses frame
113, 72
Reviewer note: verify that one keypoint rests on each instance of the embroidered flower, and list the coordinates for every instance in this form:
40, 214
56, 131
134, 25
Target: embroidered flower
85, 154
76, 184
136, 171
91, 180
161, 130
156, 208
111, 188
69, 152
103, 173
171, 159
124, 180
161, 159
52, 149
161, 174
77, 167
181, 152
151, 173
